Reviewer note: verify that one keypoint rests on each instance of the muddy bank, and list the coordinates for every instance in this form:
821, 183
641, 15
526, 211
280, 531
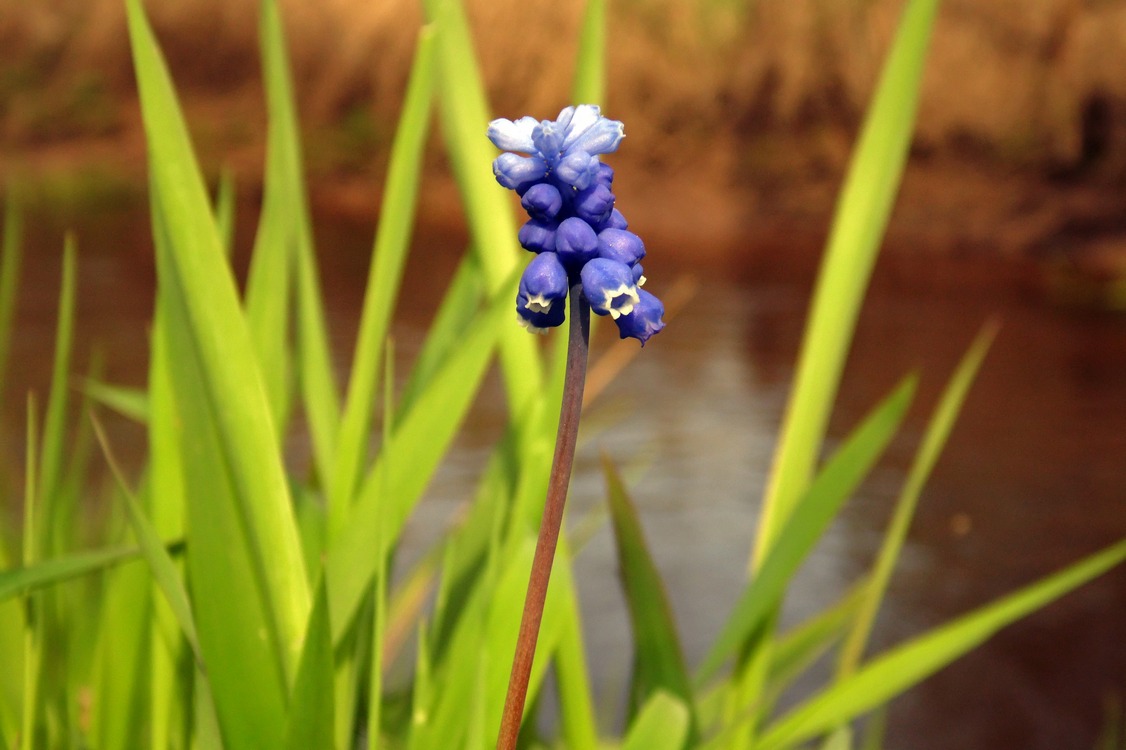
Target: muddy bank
740, 115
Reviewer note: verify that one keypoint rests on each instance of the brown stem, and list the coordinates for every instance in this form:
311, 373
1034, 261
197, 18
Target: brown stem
577, 345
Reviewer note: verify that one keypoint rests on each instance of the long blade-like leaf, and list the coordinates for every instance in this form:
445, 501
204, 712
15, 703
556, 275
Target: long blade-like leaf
861, 217
217, 341
938, 429
658, 659
836, 482
904, 666
392, 241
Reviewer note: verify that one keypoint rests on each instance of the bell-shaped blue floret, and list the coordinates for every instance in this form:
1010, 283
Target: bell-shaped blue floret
519, 172
577, 169
638, 274
609, 287
620, 245
594, 204
614, 221
537, 236
575, 242
644, 320
541, 301
542, 201
513, 136
543, 284
540, 322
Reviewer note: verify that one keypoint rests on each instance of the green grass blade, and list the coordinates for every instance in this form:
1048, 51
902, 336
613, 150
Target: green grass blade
589, 86
938, 430
392, 242
238, 632
833, 485
409, 460
121, 660
466, 292
861, 217
11, 248
576, 699
225, 205
30, 577
160, 562
662, 724
54, 426
904, 666
465, 117
131, 403
658, 658
33, 619
310, 721
314, 364
213, 336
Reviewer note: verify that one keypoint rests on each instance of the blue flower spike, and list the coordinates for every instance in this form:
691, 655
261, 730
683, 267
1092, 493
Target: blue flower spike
578, 234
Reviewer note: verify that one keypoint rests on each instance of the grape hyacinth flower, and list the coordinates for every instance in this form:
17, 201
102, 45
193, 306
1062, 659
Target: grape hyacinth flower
583, 249
555, 167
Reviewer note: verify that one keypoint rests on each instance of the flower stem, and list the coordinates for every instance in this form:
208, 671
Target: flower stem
577, 346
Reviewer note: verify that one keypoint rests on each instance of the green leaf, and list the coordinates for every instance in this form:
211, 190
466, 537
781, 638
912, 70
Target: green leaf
54, 426
160, 562
861, 217
132, 403
904, 666
465, 117
310, 721
938, 430
392, 242
662, 724
21, 580
658, 658
408, 461
589, 86
212, 340
836, 482
286, 222
11, 257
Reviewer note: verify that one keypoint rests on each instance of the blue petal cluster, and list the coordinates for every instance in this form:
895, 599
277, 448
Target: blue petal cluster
573, 227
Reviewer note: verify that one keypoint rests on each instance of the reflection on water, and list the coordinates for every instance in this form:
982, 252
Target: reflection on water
1034, 476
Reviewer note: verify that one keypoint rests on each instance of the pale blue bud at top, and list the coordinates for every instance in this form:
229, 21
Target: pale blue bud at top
548, 140
537, 236
575, 242
644, 320
620, 245
602, 137
513, 136
580, 119
577, 169
542, 201
519, 172
609, 287
594, 204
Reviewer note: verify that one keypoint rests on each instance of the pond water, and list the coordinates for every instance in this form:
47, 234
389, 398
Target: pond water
1034, 475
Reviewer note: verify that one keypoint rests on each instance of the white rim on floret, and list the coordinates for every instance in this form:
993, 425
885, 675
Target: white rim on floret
623, 308
538, 303
525, 323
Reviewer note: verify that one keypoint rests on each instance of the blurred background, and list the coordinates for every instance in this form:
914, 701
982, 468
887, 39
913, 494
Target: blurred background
740, 117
